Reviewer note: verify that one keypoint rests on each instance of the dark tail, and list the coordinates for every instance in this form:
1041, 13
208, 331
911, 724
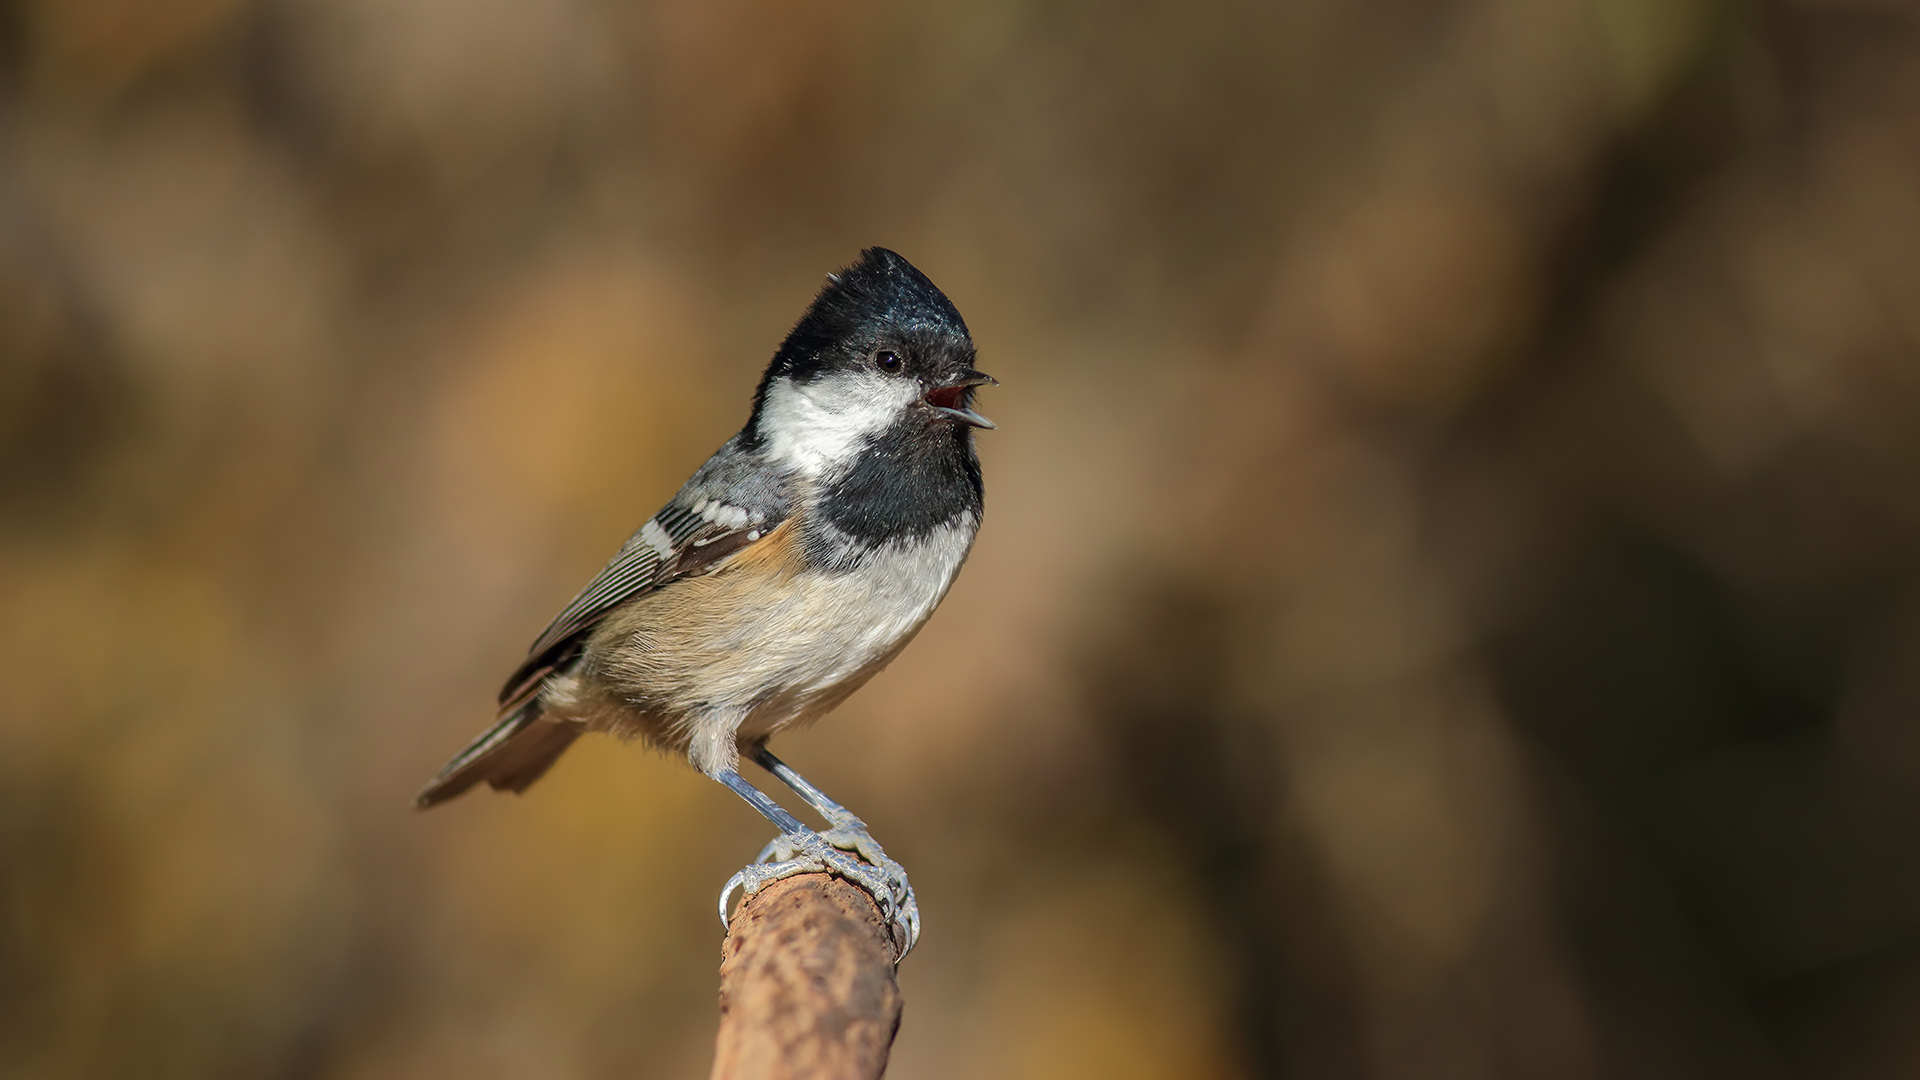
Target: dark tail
510, 755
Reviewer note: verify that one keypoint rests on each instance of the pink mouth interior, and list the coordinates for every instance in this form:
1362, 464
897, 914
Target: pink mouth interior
948, 397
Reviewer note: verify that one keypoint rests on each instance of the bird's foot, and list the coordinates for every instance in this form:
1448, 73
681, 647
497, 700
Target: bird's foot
846, 851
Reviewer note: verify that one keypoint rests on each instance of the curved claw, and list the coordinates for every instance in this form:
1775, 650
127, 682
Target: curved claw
737, 881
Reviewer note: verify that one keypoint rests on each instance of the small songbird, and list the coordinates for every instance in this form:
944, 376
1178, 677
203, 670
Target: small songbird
798, 562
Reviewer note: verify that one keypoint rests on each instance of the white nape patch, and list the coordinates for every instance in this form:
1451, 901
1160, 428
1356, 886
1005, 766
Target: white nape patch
656, 538
816, 427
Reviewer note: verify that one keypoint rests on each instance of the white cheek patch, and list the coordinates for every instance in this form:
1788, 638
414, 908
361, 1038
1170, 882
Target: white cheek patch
817, 427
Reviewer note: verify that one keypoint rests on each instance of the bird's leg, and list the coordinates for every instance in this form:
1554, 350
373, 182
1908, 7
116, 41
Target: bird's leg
835, 814
848, 833
758, 799
846, 850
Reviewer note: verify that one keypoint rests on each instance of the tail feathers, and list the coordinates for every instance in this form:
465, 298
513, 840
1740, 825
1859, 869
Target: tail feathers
510, 755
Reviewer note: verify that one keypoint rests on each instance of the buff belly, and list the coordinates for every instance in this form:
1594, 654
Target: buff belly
707, 664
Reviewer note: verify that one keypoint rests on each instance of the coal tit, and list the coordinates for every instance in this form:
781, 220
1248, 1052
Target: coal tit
798, 561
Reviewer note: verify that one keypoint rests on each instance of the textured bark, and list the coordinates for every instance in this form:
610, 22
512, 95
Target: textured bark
807, 990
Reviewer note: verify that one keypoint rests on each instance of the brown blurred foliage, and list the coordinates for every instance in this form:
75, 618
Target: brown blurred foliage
1447, 607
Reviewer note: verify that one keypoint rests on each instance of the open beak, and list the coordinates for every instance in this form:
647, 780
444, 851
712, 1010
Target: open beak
954, 400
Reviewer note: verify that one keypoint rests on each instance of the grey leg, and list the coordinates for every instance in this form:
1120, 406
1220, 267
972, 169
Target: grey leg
827, 808
846, 850
758, 799
848, 833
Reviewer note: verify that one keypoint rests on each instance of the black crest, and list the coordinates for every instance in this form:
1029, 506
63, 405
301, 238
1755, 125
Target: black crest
880, 298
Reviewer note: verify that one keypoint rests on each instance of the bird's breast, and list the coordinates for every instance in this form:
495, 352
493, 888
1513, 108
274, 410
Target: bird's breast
773, 636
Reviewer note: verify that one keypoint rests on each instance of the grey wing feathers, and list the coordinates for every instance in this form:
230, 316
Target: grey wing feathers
689, 535
633, 570
729, 503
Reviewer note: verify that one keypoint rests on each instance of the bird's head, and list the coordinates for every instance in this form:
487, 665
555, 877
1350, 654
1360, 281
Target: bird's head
880, 351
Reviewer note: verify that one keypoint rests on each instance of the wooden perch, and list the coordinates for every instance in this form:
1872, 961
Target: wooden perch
806, 985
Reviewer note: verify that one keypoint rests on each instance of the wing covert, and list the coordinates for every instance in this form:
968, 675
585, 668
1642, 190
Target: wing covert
681, 540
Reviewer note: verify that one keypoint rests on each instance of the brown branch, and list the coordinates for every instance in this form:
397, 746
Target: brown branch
806, 985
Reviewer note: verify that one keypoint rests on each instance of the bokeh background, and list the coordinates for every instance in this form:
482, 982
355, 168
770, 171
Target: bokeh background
1448, 606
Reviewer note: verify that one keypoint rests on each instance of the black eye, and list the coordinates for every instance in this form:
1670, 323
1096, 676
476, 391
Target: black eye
889, 362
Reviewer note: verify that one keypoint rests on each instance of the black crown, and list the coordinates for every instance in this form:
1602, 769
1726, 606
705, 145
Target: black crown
881, 293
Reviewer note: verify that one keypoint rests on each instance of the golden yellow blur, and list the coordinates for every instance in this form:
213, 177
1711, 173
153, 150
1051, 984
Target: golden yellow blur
1449, 605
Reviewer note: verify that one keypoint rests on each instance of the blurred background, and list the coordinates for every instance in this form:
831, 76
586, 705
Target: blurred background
1449, 604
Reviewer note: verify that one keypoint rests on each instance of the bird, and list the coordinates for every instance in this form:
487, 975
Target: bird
798, 561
